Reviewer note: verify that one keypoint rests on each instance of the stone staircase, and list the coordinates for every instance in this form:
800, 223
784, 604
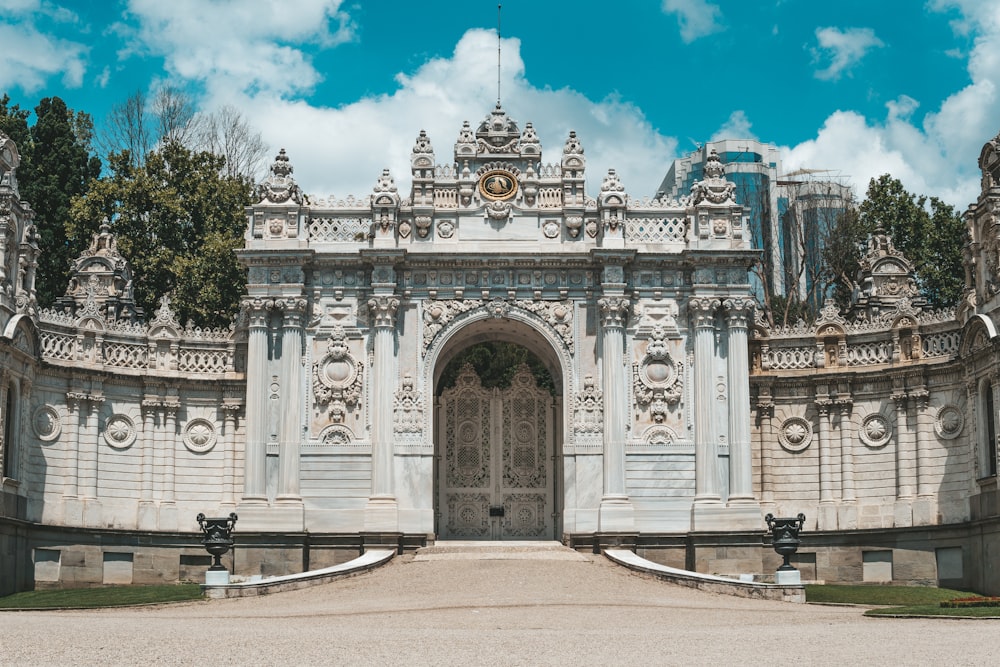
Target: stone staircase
507, 550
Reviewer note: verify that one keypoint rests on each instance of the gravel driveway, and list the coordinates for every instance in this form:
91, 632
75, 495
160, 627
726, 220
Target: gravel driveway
584, 611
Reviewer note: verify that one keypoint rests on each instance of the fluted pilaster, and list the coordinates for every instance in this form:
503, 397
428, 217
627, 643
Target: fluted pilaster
702, 312
258, 310
291, 399
738, 368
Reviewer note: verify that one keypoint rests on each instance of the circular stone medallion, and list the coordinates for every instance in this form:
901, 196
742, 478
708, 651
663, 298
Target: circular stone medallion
795, 434
199, 435
875, 430
46, 423
119, 432
949, 422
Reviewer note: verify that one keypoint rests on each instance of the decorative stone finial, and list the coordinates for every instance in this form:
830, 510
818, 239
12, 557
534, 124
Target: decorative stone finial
279, 187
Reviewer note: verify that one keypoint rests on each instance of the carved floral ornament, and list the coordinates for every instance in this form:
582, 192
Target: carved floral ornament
337, 377
949, 422
589, 408
200, 435
556, 314
657, 378
46, 423
795, 434
119, 431
876, 430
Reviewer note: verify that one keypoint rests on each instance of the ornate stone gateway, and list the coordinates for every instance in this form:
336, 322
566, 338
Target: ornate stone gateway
495, 476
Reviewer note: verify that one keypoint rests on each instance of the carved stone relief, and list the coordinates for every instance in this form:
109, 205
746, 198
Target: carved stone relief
119, 431
337, 377
200, 435
657, 377
795, 434
949, 422
876, 431
409, 407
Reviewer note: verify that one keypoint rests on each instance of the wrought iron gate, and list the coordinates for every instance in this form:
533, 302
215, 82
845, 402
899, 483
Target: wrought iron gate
495, 476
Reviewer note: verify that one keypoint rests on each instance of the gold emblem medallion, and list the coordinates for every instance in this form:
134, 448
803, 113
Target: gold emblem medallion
497, 185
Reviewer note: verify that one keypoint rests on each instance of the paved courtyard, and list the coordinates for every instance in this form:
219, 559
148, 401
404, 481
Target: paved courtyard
452, 611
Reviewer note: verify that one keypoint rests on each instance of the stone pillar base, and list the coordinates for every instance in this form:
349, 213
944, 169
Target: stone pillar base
73, 511
217, 578
902, 513
924, 511
270, 519
167, 518
382, 515
616, 515
146, 516
93, 512
788, 578
847, 516
826, 517
714, 517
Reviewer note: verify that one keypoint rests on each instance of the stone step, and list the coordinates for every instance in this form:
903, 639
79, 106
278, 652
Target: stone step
490, 550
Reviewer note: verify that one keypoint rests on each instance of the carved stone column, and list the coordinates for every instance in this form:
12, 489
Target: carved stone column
90, 444
254, 490
230, 422
616, 508
168, 508
702, 313
291, 401
924, 511
381, 513
738, 367
846, 452
147, 513
904, 463
827, 514
76, 405
765, 422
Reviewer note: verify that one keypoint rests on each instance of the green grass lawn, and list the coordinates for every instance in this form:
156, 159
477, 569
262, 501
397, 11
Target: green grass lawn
110, 596
899, 600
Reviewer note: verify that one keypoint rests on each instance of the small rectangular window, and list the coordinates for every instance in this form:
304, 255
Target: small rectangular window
876, 566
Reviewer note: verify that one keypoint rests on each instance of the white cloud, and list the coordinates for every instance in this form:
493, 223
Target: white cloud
843, 49
29, 58
936, 155
251, 45
343, 150
736, 127
696, 18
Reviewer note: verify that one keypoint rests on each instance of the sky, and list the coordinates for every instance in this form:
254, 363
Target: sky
859, 88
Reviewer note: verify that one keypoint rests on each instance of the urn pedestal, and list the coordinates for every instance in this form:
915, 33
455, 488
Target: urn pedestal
217, 536
785, 540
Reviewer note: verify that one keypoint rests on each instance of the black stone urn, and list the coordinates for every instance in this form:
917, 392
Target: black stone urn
217, 537
785, 536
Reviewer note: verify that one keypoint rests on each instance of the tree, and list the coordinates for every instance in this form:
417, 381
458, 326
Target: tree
931, 239
57, 164
495, 363
178, 220
127, 129
227, 133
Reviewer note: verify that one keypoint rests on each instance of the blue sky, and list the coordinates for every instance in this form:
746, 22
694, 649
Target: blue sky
860, 88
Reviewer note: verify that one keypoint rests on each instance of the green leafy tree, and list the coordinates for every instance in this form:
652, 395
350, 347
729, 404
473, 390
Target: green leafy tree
178, 220
930, 238
57, 165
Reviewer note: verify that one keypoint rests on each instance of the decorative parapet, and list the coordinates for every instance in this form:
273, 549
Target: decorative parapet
161, 346
901, 334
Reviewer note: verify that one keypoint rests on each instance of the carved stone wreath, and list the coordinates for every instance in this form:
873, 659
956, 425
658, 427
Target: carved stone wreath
119, 431
337, 377
46, 423
949, 422
876, 431
657, 378
199, 435
795, 434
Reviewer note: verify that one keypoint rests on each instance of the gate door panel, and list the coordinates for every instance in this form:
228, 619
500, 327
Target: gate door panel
496, 470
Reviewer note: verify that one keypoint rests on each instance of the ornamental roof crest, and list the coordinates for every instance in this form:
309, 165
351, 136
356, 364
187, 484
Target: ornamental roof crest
279, 187
714, 189
498, 133
422, 146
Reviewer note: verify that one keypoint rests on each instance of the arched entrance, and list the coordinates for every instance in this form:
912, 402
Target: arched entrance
497, 440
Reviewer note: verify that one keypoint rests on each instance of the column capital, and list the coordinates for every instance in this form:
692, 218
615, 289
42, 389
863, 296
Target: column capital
257, 310
738, 310
292, 307
614, 311
383, 308
702, 310
823, 406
